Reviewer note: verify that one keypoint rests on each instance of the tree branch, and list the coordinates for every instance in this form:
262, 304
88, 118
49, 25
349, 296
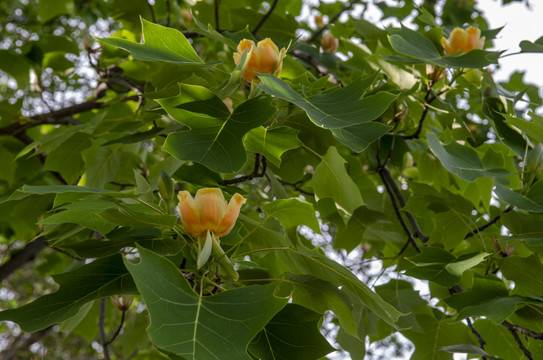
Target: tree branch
259, 159
28, 253
265, 17
216, 6
101, 328
118, 329
513, 331
524, 331
311, 60
333, 19
488, 224
168, 13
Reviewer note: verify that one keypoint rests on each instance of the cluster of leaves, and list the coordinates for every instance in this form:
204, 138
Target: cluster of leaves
390, 151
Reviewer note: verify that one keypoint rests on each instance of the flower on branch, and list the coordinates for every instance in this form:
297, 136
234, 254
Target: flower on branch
463, 40
208, 217
329, 43
265, 58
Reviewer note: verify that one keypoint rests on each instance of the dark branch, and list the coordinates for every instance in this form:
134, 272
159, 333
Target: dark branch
333, 19
265, 17
168, 13
152, 10
488, 224
524, 331
259, 159
428, 99
482, 341
101, 328
118, 329
216, 6
296, 187
311, 60
28, 253
513, 332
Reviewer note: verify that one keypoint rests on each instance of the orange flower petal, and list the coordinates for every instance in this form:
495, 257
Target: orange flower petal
211, 206
232, 213
189, 217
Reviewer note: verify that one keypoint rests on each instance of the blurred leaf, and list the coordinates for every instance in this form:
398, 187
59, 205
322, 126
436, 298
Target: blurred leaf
101, 278
525, 272
48, 9
195, 326
532, 201
272, 143
66, 158
532, 47
533, 128
15, 65
293, 213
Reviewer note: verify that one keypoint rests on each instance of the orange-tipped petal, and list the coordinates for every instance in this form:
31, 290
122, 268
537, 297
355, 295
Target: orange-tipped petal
458, 40
473, 37
231, 215
189, 216
211, 207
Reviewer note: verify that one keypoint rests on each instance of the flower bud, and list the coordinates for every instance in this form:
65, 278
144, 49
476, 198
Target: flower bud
122, 303
265, 58
319, 21
463, 40
165, 186
186, 15
329, 43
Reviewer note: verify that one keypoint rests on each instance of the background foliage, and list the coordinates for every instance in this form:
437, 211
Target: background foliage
370, 174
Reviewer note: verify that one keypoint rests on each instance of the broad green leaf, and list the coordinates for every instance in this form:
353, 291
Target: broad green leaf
494, 110
403, 297
293, 213
532, 201
149, 238
319, 295
83, 213
412, 43
532, 47
467, 349
337, 109
353, 345
272, 143
292, 334
433, 334
215, 135
525, 272
49, 9
66, 158
350, 236
499, 341
200, 327
101, 278
461, 160
331, 180
76, 191
532, 128
359, 137
102, 164
160, 44
305, 262
440, 266
126, 215
488, 297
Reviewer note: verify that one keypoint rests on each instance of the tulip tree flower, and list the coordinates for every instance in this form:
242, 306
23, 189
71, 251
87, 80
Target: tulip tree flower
265, 58
463, 40
329, 43
207, 217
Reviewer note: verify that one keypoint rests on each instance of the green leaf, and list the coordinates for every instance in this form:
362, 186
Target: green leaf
488, 297
149, 238
49, 9
467, 349
215, 135
102, 164
525, 272
292, 334
532, 47
66, 158
533, 128
359, 137
499, 341
412, 43
462, 161
200, 327
340, 108
293, 213
494, 110
440, 266
331, 180
15, 65
101, 278
127, 215
272, 143
319, 295
529, 202
160, 44
83, 213
73, 191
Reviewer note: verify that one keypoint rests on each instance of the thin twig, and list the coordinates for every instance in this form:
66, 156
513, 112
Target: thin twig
66, 253
295, 187
320, 67
101, 328
152, 11
427, 102
333, 19
118, 329
524, 331
168, 15
265, 17
513, 332
259, 159
216, 6
482, 341
488, 224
